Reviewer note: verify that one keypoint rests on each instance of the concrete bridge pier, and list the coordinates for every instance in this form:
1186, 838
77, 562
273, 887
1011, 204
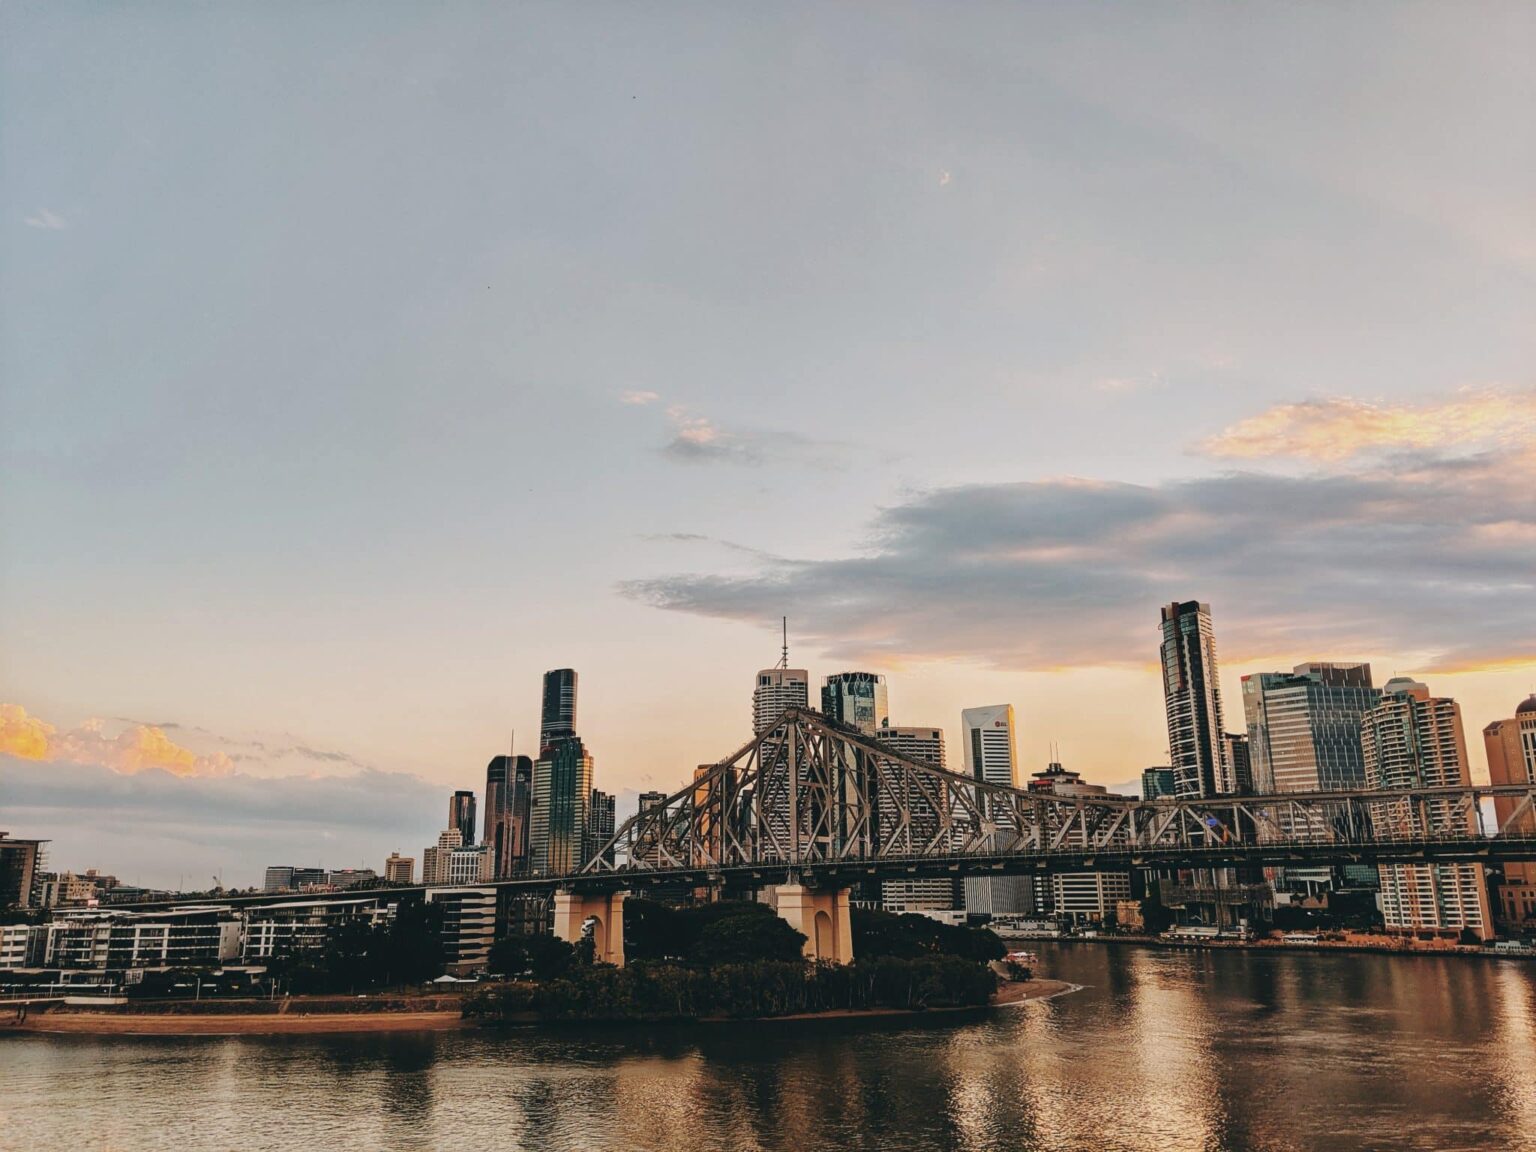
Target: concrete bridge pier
606, 909
822, 915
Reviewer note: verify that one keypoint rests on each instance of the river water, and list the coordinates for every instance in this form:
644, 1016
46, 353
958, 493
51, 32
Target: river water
1159, 1051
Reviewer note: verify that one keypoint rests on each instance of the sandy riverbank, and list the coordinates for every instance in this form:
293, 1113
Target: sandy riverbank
1018, 991
233, 1024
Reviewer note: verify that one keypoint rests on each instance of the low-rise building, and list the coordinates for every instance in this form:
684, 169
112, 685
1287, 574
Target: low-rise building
296, 926
194, 936
21, 862
400, 869
21, 945
469, 926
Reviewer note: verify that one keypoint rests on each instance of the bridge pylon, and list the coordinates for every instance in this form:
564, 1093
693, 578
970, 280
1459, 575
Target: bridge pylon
605, 910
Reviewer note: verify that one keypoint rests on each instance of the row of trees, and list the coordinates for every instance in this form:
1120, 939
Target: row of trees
358, 956
661, 990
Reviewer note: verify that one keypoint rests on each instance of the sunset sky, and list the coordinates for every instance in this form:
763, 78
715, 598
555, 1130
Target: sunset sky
359, 362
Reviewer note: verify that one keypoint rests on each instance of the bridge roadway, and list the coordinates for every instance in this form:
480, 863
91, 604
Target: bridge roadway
841, 874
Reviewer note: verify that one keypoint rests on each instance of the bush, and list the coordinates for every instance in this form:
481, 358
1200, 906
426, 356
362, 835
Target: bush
910, 936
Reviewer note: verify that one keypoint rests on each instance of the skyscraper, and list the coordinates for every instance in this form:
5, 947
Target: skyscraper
1511, 746
1192, 696
399, 869
1304, 726
927, 746
856, 699
461, 815
562, 798
1237, 765
600, 822
1414, 740
991, 754
1156, 783
557, 718
508, 782
776, 690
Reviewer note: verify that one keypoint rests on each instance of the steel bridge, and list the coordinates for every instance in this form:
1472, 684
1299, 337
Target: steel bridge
811, 801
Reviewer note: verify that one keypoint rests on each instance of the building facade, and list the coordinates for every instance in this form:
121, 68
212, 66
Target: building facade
857, 699
916, 895
400, 869
557, 716
778, 689
990, 745
560, 806
469, 926
1237, 765
21, 863
600, 822
1511, 747
1413, 740
1304, 726
1192, 700
461, 815
1077, 897
1156, 783
508, 792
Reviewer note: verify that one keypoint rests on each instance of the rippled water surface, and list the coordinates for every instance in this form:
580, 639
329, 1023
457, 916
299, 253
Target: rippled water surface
1160, 1051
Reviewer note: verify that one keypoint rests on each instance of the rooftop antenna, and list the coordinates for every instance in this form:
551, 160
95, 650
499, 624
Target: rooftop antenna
784, 652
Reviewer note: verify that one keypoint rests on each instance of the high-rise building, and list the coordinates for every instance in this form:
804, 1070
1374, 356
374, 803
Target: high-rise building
1077, 897
776, 690
1237, 766
436, 861
461, 815
21, 863
1192, 696
601, 823
1304, 726
508, 787
856, 699
1413, 740
400, 869
927, 895
557, 718
991, 755
1511, 746
1156, 783
649, 800
562, 797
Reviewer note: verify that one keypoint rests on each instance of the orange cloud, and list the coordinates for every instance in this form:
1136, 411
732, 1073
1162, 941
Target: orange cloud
23, 736
1339, 429
138, 748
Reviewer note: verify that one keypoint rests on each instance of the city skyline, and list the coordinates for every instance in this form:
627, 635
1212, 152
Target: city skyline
714, 324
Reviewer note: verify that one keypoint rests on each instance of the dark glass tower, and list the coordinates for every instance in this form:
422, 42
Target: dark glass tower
557, 719
1192, 694
461, 815
508, 787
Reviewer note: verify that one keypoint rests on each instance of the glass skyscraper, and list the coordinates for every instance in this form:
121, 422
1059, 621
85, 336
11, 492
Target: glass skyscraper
1304, 726
557, 718
561, 806
856, 699
1192, 695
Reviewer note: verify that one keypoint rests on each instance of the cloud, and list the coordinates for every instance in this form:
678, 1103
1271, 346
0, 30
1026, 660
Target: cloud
944, 178
1434, 559
153, 826
137, 748
1340, 429
46, 220
638, 397
696, 440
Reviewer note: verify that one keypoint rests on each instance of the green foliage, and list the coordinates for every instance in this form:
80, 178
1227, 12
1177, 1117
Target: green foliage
723, 932
357, 955
909, 936
549, 956
762, 988
753, 932
1155, 916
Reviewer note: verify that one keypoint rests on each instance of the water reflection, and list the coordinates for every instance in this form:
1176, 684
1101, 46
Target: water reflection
1162, 1050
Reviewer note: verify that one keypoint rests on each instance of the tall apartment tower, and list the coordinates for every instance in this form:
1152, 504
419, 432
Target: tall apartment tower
776, 690
461, 815
560, 807
1192, 695
991, 754
557, 717
1511, 746
1414, 740
857, 699
926, 745
1304, 726
508, 787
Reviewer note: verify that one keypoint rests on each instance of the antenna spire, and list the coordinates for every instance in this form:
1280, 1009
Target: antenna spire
784, 652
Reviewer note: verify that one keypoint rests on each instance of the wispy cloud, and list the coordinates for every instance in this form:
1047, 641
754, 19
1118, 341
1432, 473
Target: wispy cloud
638, 397
1340, 429
47, 220
697, 440
137, 748
1436, 560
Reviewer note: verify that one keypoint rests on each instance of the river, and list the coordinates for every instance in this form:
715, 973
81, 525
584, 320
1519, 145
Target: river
1159, 1051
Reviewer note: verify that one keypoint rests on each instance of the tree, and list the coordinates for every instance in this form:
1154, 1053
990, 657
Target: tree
549, 956
509, 955
910, 936
750, 934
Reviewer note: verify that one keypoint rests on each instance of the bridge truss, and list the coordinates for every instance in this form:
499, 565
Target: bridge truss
823, 802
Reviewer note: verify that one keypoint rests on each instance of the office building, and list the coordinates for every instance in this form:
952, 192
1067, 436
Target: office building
1156, 783
1304, 726
600, 823
508, 792
341, 878
1192, 698
857, 700
916, 895
1237, 765
400, 869
649, 800
461, 815
557, 718
989, 742
288, 878
1511, 747
21, 862
1413, 740
778, 689
562, 798
435, 860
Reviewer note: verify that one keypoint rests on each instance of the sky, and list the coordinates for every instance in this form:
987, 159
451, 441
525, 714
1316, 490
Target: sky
361, 361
